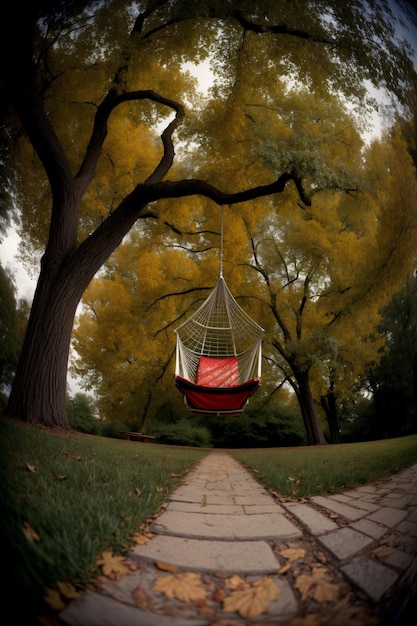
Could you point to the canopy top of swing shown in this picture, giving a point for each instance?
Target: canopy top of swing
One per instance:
(220, 327)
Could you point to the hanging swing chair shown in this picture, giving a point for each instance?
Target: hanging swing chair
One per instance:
(219, 353)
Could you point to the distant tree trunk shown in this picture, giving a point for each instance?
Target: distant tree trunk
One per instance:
(328, 404)
(309, 414)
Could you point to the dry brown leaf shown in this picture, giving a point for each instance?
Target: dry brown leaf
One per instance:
(317, 586)
(186, 587)
(67, 590)
(31, 468)
(292, 554)
(54, 600)
(235, 582)
(112, 566)
(284, 569)
(61, 477)
(141, 538)
(254, 600)
(142, 598)
(29, 533)
(166, 567)
(138, 491)
(382, 551)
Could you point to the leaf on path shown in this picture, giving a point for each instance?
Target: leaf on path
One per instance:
(382, 551)
(253, 600)
(166, 567)
(292, 554)
(236, 582)
(284, 569)
(67, 590)
(142, 598)
(112, 566)
(317, 586)
(54, 600)
(30, 534)
(185, 586)
(141, 539)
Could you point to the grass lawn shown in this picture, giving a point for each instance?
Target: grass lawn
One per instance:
(66, 497)
(309, 471)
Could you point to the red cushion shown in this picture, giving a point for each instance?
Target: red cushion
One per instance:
(218, 372)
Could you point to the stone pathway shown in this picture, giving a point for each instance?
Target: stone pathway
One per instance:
(221, 522)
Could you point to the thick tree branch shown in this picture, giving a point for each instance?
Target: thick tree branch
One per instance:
(194, 187)
(87, 170)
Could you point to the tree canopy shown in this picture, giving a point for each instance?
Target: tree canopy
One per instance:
(108, 127)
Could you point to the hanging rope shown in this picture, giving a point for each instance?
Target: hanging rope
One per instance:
(221, 240)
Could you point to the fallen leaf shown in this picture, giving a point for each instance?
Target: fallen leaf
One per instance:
(54, 600)
(317, 586)
(254, 600)
(138, 491)
(382, 551)
(142, 598)
(112, 566)
(186, 587)
(166, 567)
(236, 582)
(29, 533)
(141, 539)
(292, 554)
(284, 569)
(61, 477)
(67, 590)
(31, 468)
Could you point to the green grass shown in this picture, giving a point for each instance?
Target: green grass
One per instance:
(83, 494)
(309, 471)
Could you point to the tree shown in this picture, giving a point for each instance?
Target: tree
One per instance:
(393, 381)
(13, 318)
(74, 73)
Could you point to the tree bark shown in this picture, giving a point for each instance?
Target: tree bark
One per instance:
(309, 414)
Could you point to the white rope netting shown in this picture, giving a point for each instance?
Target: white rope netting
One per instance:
(220, 328)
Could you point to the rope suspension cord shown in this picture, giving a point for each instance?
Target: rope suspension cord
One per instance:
(221, 240)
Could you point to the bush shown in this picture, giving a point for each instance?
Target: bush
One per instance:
(112, 429)
(182, 433)
(81, 417)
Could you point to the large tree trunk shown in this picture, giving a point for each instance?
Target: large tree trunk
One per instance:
(39, 389)
(314, 431)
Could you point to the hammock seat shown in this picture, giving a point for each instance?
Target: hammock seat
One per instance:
(218, 356)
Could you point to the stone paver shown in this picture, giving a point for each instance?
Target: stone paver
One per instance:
(349, 512)
(370, 576)
(316, 523)
(241, 557)
(345, 542)
(221, 522)
(228, 527)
